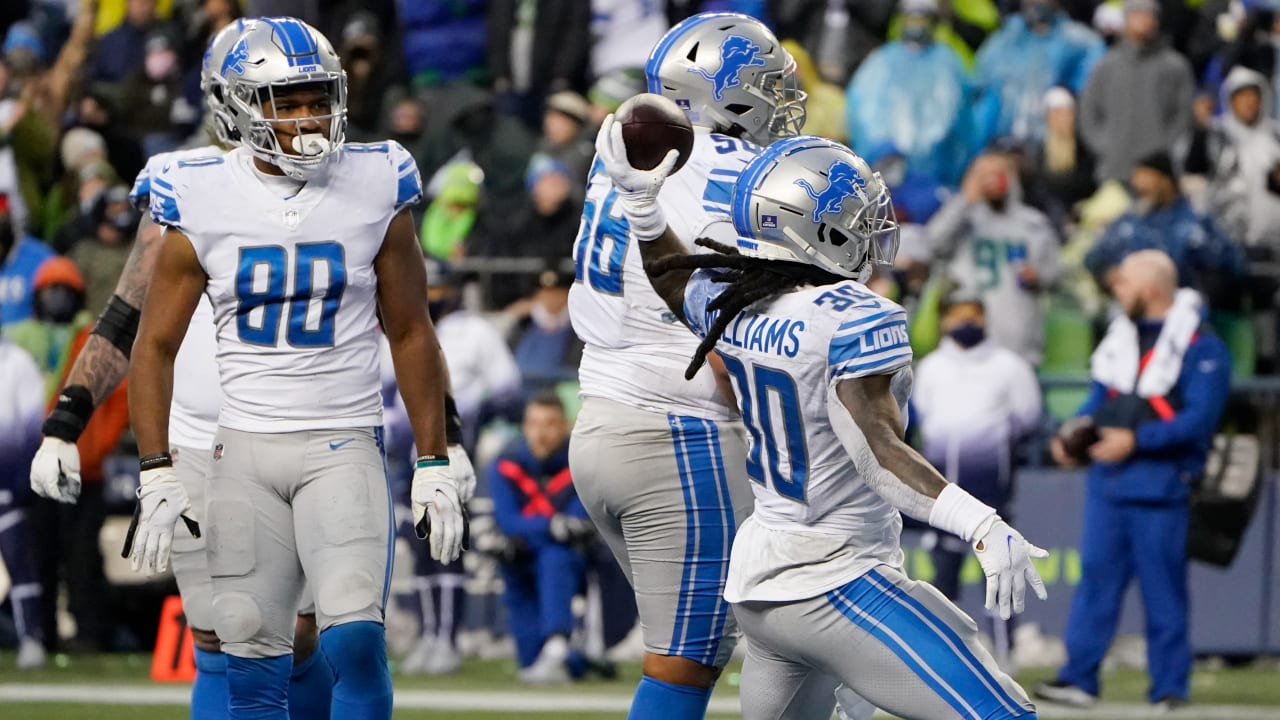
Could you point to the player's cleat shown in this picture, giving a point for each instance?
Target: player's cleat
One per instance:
(415, 663)
(31, 654)
(549, 668)
(1062, 692)
(443, 660)
(1168, 705)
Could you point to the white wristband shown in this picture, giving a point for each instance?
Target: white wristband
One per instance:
(959, 513)
(648, 223)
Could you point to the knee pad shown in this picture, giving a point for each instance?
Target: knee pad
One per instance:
(348, 592)
(236, 617)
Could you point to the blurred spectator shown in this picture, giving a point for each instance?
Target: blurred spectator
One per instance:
(122, 52)
(20, 258)
(58, 313)
(111, 13)
(1035, 50)
(156, 111)
(913, 93)
(623, 32)
(546, 348)
(444, 40)
(21, 412)
(548, 221)
(85, 176)
(1240, 154)
(974, 400)
(963, 25)
(452, 212)
(565, 137)
(481, 369)
(917, 195)
(97, 112)
(546, 527)
(537, 47)
(104, 250)
(369, 76)
(406, 124)
(1001, 250)
(1159, 384)
(1058, 171)
(1161, 218)
(840, 33)
(824, 108)
(610, 91)
(1138, 100)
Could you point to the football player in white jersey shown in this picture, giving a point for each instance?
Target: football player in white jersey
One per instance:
(821, 368)
(100, 368)
(301, 242)
(657, 458)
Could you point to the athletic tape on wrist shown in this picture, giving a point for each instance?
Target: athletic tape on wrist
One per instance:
(70, 415)
(959, 513)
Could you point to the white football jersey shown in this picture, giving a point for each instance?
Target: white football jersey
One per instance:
(636, 349)
(197, 396)
(816, 525)
(291, 280)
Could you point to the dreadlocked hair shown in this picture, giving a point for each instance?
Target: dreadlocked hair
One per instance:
(749, 280)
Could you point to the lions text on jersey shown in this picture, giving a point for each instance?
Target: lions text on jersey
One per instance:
(816, 526)
(291, 280)
(636, 349)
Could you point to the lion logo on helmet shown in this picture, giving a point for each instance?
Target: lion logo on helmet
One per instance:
(843, 182)
(737, 53)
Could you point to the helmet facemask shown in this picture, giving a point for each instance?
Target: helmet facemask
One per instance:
(788, 102)
(255, 107)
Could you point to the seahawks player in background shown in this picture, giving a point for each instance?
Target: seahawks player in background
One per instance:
(821, 368)
(657, 461)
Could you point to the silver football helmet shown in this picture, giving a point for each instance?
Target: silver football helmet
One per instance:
(727, 71)
(274, 54)
(214, 86)
(808, 199)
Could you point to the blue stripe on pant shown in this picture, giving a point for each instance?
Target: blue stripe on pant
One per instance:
(926, 645)
(379, 437)
(701, 611)
(1119, 541)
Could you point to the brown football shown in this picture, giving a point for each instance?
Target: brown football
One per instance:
(1077, 435)
(652, 126)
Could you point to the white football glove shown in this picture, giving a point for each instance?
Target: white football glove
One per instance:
(438, 515)
(55, 470)
(464, 474)
(637, 189)
(1005, 557)
(162, 501)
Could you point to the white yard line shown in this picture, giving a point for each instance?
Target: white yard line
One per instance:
(548, 702)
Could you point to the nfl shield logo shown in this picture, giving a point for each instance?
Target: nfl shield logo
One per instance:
(769, 221)
(291, 219)
(217, 451)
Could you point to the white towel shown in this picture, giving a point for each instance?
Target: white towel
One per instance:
(1115, 362)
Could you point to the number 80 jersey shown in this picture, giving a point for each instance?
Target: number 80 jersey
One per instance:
(291, 280)
(636, 349)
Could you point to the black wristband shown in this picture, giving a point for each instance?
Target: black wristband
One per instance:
(155, 462)
(70, 415)
(118, 324)
(452, 421)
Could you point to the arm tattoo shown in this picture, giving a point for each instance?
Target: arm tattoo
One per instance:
(101, 367)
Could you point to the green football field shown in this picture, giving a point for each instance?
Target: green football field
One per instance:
(117, 687)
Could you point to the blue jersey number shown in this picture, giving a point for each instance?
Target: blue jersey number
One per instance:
(601, 247)
(761, 391)
(262, 277)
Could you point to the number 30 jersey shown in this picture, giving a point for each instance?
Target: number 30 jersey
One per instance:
(291, 280)
(816, 524)
(636, 349)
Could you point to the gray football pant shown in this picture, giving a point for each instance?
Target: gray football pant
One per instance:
(287, 504)
(187, 558)
(896, 642)
(667, 493)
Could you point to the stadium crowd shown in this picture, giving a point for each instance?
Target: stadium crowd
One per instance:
(1030, 146)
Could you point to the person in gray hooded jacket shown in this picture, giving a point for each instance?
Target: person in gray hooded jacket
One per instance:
(1138, 100)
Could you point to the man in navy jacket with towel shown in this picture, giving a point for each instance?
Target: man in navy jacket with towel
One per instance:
(1160, 381)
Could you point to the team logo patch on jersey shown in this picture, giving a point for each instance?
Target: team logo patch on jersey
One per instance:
(217, 451)
(843, 182)
(291, 219)
(769, 221)
(737, 53)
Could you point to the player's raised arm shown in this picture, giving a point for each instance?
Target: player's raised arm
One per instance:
(867, 419)
(98, 370)
(176, 285)
(421, 376)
